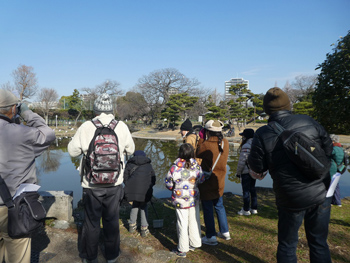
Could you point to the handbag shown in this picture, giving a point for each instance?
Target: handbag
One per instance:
(25, 212)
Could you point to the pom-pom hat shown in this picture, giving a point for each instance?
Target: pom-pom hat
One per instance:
(103, 104)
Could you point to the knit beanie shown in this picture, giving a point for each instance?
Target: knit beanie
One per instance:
(215, 126)
(276, 99)
(186, 125)
(103, 104)
(7, 98)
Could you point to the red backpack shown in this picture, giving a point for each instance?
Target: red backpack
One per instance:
(102, 161)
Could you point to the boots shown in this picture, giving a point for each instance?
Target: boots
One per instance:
(144, 231)
(132, 227)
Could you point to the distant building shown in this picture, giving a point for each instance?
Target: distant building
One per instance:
(233, 82)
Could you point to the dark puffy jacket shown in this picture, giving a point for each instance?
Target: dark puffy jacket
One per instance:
(139, 181)
(293, 191)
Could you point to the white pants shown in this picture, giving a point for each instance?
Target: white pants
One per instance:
(188, 228)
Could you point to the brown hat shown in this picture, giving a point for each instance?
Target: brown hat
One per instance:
(276, 99)
(215, 126)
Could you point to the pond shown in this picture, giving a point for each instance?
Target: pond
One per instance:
(57, 171)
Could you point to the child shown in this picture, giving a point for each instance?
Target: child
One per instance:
(183, 179)
(139, 178)
(248, 183)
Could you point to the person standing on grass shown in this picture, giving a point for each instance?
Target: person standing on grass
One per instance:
(250, 200)
(298, 198)
(139, 179)
(213, 147)
(337, 160)
(188, 135)
(101, 200)
(183, 179)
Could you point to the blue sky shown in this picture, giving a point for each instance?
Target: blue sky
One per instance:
(81, 43)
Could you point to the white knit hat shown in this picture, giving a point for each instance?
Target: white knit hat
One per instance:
(215, 126)
(103, 104)
(7, 98)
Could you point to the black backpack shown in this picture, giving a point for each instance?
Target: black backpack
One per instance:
(305, 153)
(102, 160)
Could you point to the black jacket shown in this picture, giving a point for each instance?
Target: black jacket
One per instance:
(139, 181)
(293, 191)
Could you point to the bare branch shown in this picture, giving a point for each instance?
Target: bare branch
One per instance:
(25, 81)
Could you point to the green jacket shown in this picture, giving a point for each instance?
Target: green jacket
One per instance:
(337, 159)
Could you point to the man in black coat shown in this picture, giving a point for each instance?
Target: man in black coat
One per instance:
(297, 197)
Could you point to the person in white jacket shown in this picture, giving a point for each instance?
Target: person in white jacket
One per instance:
(101, 200)
(250, 202)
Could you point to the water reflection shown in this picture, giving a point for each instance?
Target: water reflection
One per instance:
(57, 171)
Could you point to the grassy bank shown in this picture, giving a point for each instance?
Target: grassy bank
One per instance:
(254, 238)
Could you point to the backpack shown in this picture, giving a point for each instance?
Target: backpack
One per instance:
(305, 153)
(102, 160)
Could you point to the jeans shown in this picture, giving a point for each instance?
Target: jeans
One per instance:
(208, 213)
(101, 203)
(249, 192)
(336, 197)
(316, 220)
(136, 206)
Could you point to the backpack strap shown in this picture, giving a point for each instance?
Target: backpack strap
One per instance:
(276, 127)
(113, 124)
(97, 123)
(5, 194)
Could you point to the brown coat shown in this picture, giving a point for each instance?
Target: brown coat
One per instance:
(191, 139)
(208, 151)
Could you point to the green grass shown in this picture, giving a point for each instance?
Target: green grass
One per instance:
(254, 238)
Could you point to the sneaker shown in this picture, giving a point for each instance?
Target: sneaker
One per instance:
(253, 211)
(244, 213)
(132, 227)
(210, 241)
(179, 253)
(193, 248)
(144, 231)
(225, 236)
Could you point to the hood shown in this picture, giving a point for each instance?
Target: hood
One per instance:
(139, 160)
(180, 163)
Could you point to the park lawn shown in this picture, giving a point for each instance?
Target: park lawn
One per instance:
(253, 238)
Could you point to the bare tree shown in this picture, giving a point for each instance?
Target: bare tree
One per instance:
(131, 106)
(292, 93)
(8, 87)
(25, 81)
(47, 100)
(306, 86)
(160, 84)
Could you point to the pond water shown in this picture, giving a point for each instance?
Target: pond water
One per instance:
(57, 171)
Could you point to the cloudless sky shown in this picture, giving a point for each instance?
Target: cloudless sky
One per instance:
(81, 43)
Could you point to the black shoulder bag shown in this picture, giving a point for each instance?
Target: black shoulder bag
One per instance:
(25, 212)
